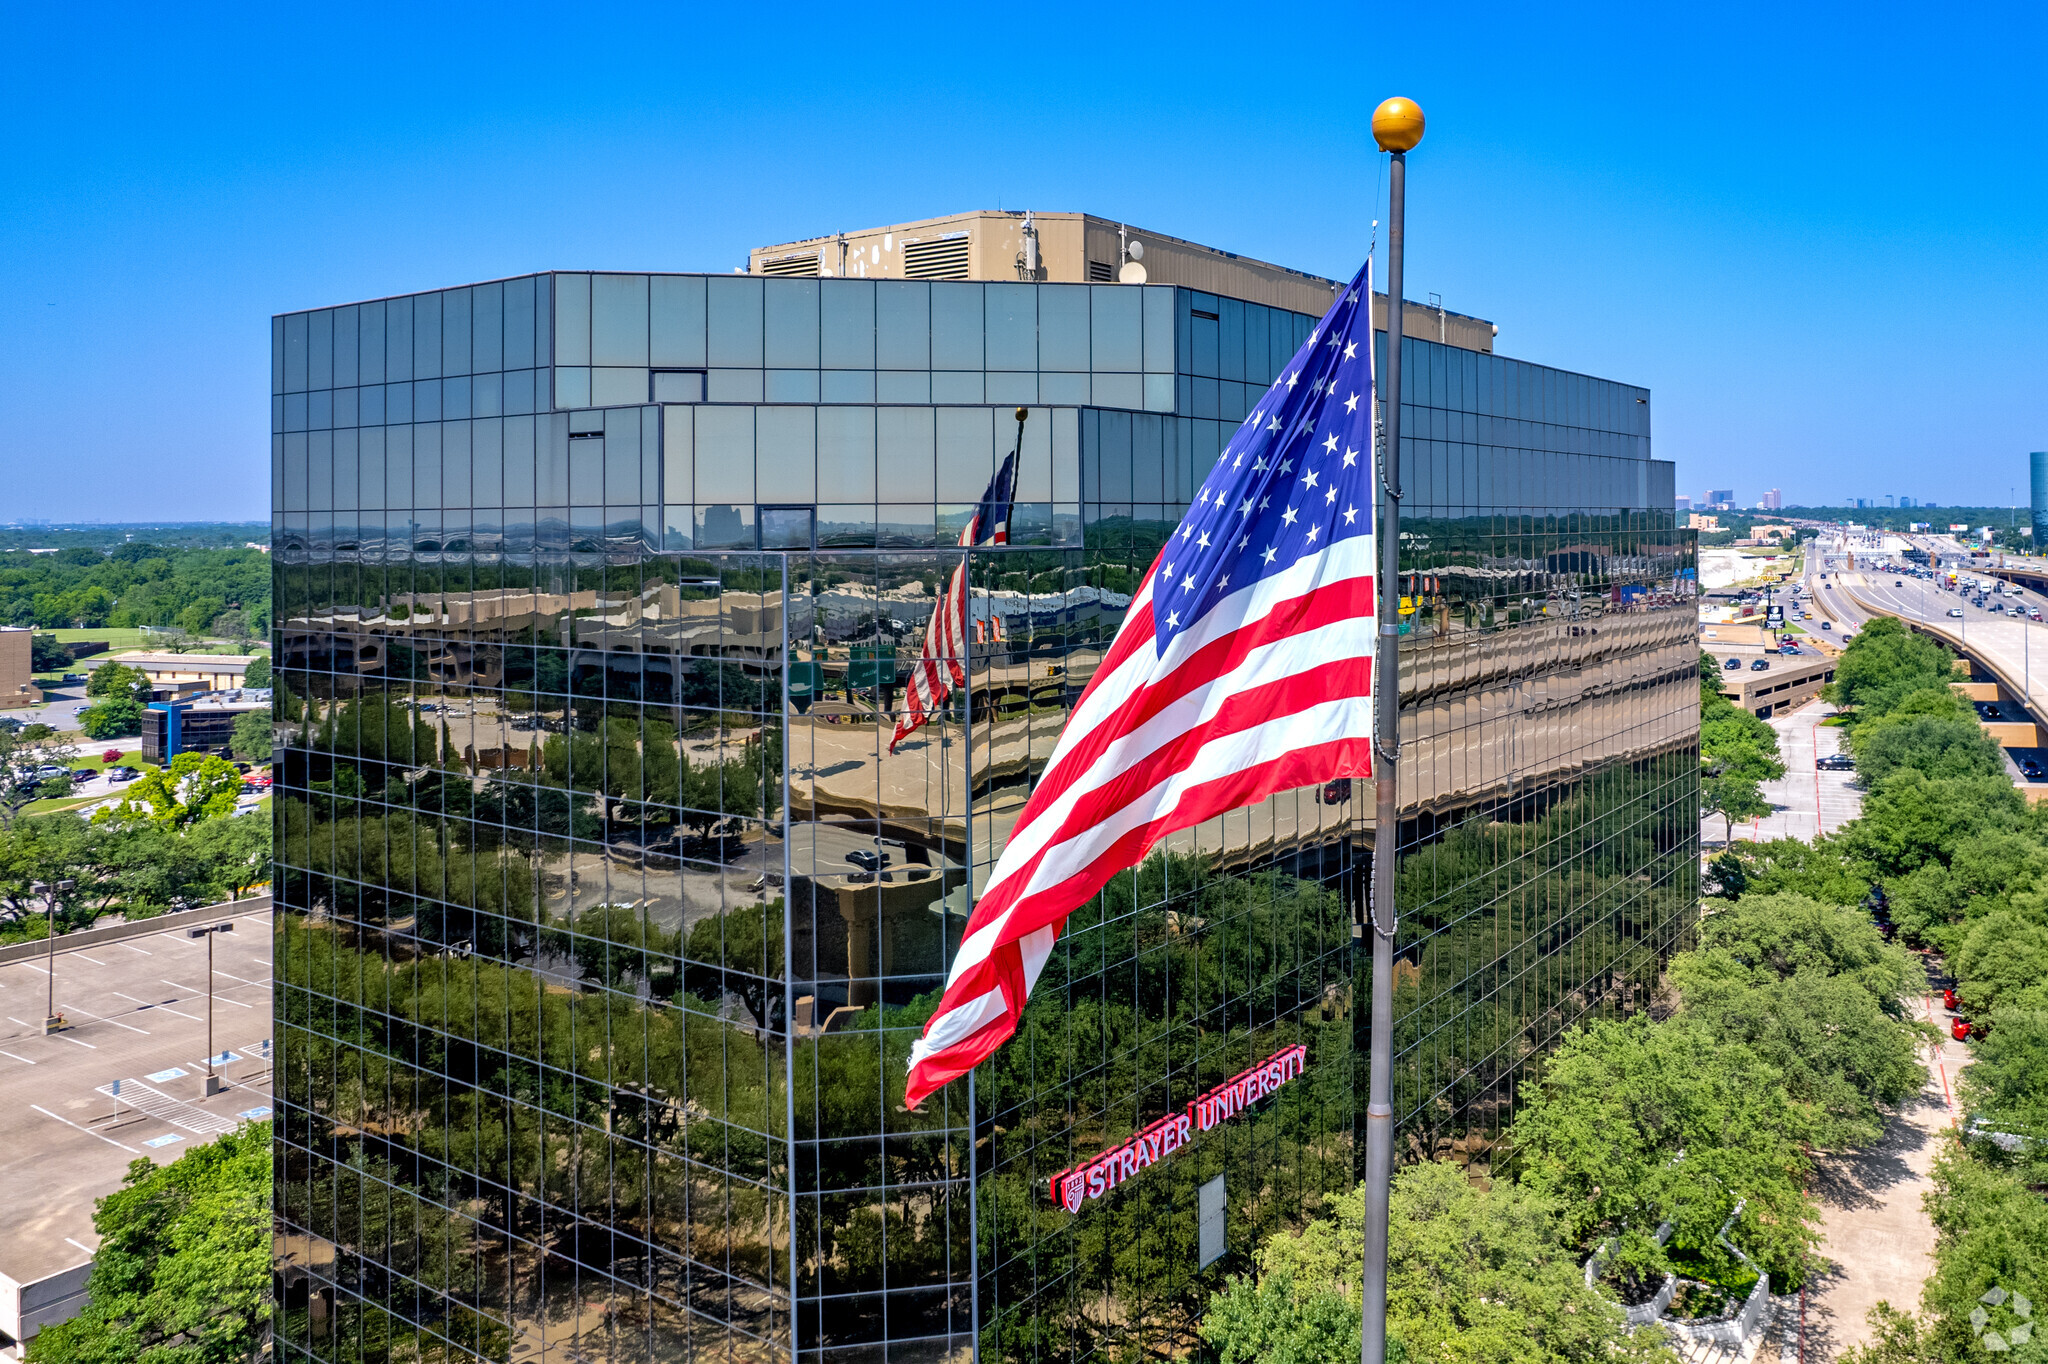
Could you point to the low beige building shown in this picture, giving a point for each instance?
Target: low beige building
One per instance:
(17, 670)
(187, 672)
(1079, 248)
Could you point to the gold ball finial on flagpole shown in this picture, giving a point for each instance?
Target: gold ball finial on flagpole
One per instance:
(1397, 124)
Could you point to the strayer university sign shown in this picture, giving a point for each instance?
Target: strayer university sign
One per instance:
(1073, 1187)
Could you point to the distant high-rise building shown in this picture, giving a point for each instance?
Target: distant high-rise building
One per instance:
(1774, 500)
(2037, 470)
(1723, 498)
(1907, 502)
(1681, 503)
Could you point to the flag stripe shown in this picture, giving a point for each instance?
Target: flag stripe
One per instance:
(1208, 699)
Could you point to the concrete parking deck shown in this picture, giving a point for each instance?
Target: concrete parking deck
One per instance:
(138, 1013)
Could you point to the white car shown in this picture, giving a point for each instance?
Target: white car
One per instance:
(1956, 611)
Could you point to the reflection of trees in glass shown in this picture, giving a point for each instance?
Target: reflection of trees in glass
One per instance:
(1515, 926)
(1176, 977)
(562, 1090)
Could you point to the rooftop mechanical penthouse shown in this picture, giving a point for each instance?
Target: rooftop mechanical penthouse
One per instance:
(606, 916)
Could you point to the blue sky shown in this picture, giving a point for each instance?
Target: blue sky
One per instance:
(1819, 234)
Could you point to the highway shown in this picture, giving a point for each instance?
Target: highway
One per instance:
(1999, 642)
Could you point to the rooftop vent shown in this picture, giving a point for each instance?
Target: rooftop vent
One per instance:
(1101, 271)
(803, 263)
(945, 258)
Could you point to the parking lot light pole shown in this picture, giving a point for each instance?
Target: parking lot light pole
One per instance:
(50, 890)
(213, 1081)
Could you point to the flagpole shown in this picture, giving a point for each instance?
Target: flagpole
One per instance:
(1397, 128)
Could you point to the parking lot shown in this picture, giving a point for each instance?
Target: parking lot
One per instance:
(125, 1080)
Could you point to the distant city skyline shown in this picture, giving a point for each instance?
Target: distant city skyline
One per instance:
(219, 168)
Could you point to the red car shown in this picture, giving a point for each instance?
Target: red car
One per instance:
(1960, 1029)
(259, 780)
(1948, 999)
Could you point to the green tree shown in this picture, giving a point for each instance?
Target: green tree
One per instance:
(1633, 1123)
(2005, 1089)
(193, 788)
(113, 718)
(2003, 959)
(118, 679)
(1885, 663)
(25, 755)
(252, 736)
(1472, 1274)
(1777, 937)
(1732, 796)
(258, 673)
(182, 1273)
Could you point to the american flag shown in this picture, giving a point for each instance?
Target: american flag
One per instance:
(1244, 667)
(940, 665)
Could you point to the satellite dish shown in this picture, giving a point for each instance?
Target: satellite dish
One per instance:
(1136, 251)
(1132, 273)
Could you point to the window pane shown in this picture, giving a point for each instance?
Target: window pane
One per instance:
(426, 336)
(956, 326)
(618, 320)
(345, 324)
(678, 445)
(1013, 327)
(397, 340)
(572, 319)
(676, 322)
(965, 466)
(1063, 327)
(519, 323)
(1159, 330)
(622, 456)
(1117, 317)
(455, 331)
(734, 332)
(785, 442)
(846, 324)
(791, 309)
(725, 454)
(679, 386)
(846, 454)
(903, 331)
(907, 449)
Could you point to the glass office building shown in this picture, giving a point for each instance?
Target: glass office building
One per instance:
(607, 914)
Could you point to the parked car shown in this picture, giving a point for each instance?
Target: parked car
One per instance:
(2032, 769)
(1732, 665)
(1836, 762)
(122, 774)
(1761, 665)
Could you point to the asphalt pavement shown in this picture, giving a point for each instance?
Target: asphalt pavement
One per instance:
(137, 1010)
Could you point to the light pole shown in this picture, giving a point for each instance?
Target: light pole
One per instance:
(1397, 128)
(213, 1084)
(50, 890)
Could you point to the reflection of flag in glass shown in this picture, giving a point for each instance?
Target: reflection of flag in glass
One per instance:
(939, 667)
(1244, 667)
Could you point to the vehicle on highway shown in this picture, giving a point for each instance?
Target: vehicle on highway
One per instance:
(2032, 769)
(1761, 665)
(1788, 647)
(1956, 611)
(2033, 613)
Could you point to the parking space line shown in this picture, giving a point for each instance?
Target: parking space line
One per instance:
(87, 1130)
(97, 1019)
(82, 957)
(196, 991)
(75, 1042)
(23, 1059)
(133, 948)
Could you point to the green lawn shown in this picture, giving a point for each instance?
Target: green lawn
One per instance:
(125, 640)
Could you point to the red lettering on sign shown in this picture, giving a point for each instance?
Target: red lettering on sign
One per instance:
(1073, 1187)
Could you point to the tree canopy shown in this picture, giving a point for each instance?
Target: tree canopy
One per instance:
(182, 1273)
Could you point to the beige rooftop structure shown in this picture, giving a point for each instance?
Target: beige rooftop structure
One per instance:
(1079, 248)
(218, 671)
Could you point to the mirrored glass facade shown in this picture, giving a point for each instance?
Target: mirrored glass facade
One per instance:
(607, 915)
